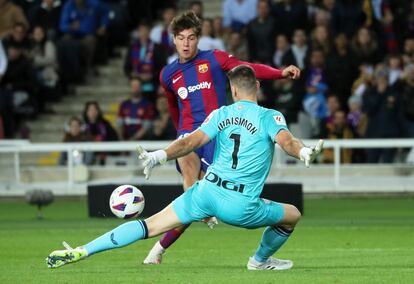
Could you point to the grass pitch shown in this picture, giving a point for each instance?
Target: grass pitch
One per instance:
(337, 241)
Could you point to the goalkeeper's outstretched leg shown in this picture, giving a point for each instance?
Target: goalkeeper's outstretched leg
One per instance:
(121, 236)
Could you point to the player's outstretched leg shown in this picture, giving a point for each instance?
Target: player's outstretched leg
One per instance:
(155, 254)
(189, 167)
(273, 238)
(121, 236)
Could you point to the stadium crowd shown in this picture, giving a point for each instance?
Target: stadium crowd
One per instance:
(356, 56)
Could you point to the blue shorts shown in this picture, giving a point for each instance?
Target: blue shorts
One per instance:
(205, 153)
(205, 199)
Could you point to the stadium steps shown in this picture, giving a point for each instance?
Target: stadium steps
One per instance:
(212, 8)
(108, 89)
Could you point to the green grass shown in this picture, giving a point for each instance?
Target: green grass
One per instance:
(337, 241)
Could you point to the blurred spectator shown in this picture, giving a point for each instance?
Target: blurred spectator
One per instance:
(19, 80)
(43, 55)
(28, 7)
(314, 102)
(287, 98)
(385, 17)
(47, 15)
(98, 127)
(347, 17)
(365, 47)
(341, 69)
(237, 46)
(207, 40)
(339, 130)
(333, 105)
(290, 15)
(161, 34)
(163, 126)
(238, 13)
(259, 31)
(408, 55)
(298, 53)
(74, 132)
(18, 36)
(382, 105)
(218, 30)
(145, 59)
(10, 15)
(407, 95)
(136, 115)
(197, 8)
(364, 80)
(395, 68)
(81, 21)
(322, 18)
(356, 118)
(320, 39)
(6, 102)
(282, 47)
(96, 124)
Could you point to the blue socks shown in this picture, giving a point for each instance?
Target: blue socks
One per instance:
(122, 235)
(273, 238)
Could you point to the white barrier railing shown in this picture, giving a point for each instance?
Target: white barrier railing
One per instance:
(23, 147)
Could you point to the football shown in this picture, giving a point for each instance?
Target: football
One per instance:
(126, 201)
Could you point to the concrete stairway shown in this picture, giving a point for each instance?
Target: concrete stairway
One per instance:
(212, 8)
(108, 89)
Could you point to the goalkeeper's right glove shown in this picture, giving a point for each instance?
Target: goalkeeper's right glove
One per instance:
(151, 159)
(307, 154)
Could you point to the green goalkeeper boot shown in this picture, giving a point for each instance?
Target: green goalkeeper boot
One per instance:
(59, 258)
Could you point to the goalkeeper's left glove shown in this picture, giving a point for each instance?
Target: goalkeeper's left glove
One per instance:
(151, 159)
(307, 154)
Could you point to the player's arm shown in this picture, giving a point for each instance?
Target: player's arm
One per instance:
(176, 149)
(295, 148)
(289, 143)
(180, 147)
(228, 62)
(186, 145)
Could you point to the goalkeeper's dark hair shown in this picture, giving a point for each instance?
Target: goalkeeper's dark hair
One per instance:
(243, 77)
(187, 20)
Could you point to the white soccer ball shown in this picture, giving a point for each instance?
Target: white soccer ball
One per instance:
(126, 201)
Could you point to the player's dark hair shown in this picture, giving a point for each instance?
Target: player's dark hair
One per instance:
(243, 77)
(187, 20)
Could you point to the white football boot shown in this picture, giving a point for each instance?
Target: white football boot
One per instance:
(270, 264)
(155, 254)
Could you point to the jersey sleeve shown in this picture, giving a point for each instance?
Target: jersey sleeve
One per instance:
(172, 101)
(210, 124)
(228, 62)
(274, 122)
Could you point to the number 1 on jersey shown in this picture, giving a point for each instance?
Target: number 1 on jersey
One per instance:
(236, 138)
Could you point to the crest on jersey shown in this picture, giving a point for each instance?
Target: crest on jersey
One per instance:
(279, 120)
(203, 68)
(182, 92)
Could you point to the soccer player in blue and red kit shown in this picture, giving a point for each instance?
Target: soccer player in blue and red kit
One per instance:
(195, 85)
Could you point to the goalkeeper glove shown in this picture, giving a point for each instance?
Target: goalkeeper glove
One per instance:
(307, 154)
(151, 159)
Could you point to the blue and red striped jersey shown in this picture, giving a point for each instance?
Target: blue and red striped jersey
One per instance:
(133, 115)
(195, 88)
